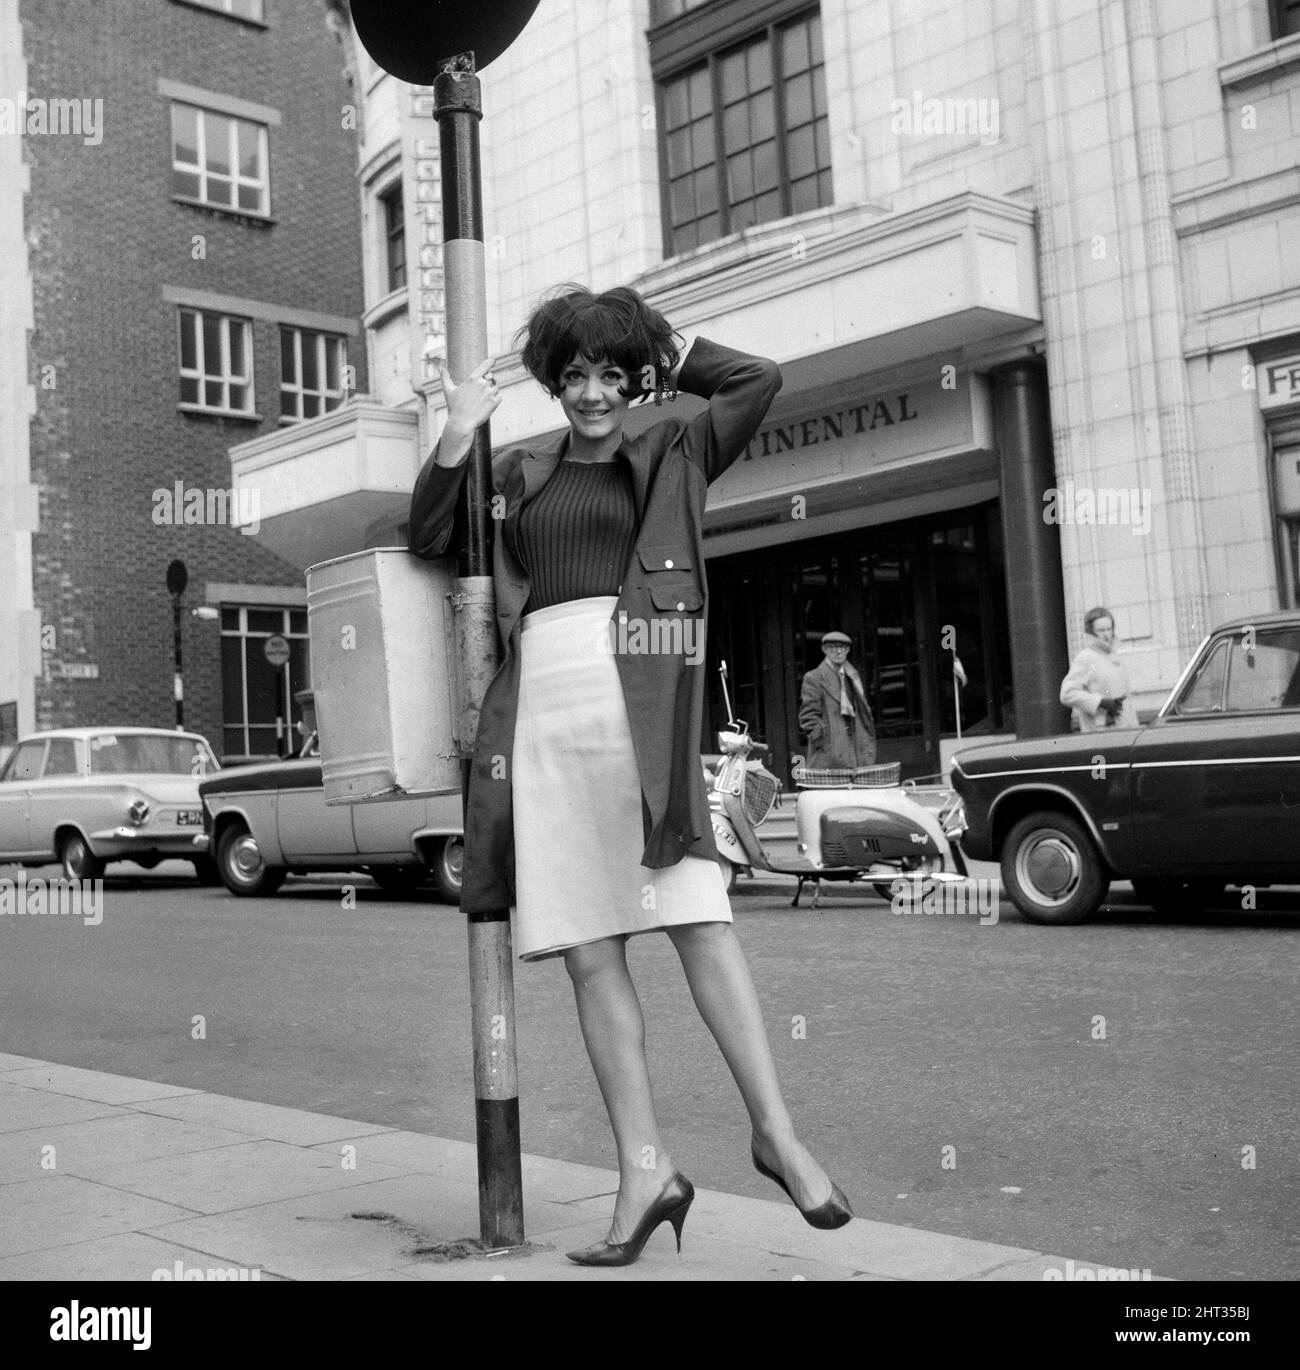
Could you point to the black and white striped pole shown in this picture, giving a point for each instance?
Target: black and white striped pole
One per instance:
(410, 39)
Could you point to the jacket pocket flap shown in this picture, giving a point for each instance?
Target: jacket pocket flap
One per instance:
(665, 558)
(677, 598)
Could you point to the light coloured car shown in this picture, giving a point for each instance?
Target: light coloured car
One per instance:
(87, 796)
(264, 822)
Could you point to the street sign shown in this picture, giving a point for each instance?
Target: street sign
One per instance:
(177, 578)
(411, 39)
(277, 650)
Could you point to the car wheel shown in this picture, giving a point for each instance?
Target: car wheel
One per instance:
(205, 870)
(398, 879)
(449, 869)
(77, 860)
(240, 864)
(1052, 869)
(1178, 896)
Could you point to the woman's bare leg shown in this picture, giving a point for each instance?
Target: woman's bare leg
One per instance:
(614, 1030)
(723, 990)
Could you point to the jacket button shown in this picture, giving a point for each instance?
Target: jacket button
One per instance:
(680, 606)
(668, 563)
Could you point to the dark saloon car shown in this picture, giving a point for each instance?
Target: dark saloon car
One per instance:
(1205, 796)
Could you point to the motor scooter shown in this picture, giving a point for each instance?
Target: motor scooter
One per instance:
(852, 825)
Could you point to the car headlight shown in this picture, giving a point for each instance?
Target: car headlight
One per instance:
(138, 812)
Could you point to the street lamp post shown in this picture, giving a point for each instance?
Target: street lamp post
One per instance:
(177, 579)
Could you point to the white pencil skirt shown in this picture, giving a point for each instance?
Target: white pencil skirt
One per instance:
(577, 799)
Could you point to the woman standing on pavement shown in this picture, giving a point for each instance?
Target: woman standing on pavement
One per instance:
(587, 808)
(1096, 687)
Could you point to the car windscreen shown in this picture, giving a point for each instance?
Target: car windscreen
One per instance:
(127, 753)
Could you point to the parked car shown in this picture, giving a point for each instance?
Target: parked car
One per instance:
(261, 823)
(88, 796)
(1205, 796)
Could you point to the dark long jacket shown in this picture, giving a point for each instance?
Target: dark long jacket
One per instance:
(671, 465)
(830, 743)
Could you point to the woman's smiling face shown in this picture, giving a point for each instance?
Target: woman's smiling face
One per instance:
(592, 399)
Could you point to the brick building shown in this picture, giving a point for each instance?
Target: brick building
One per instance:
(180, 272)
(1028, 267)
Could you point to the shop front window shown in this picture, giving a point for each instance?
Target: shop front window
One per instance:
(258, 682)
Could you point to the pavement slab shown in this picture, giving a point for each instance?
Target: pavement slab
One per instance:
(147, 1175)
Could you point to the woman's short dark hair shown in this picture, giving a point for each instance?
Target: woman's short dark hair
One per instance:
(617, 326)
(1093, 615)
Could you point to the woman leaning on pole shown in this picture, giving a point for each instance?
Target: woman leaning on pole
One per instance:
(587, 809)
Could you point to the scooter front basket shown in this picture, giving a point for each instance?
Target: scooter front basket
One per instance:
(761, 790)
(844, 778)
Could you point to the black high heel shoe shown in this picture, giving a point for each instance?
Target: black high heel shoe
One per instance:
(669, 1206)
(835, 1212)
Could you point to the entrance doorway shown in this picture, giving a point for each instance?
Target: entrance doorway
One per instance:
(906, 593)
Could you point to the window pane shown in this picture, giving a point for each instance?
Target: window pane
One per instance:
(220, 191)
(310, 406)
(798, 101)
(768, 206)
(229, 618)
(289, 404)
(676, 103)
(760, 66)
(684, 238)
(700, 96)
(731, 76)
(212, 344)
(794, 47)
(823, 143)
(311, 361)
(189, 390)
(217, 130)
(214, 394)
(62, 757)
(702, 152)
(334, 363)
(742, 216)
(801, 151)
(815, 37)
(249, 141)
(735, 126)
(250, 198)
(678, 147)
(709, 227)
(265, 621)
(185, 134)
(186, 183)
(803, 194)
(238, 364)
(765, 167)
(740, 179)
(682, 200)
(239, 398)
(706, 192)
(288, 369)
(189, 334)
(762, 117)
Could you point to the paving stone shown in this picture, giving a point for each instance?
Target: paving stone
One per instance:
(127, 1256)
(291, 1125)
(39, 1214)
(92, 1084)
(21, 1109)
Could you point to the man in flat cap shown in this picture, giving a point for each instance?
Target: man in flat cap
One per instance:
(833, 710)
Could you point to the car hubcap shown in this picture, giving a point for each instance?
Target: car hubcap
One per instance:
(245, 857)
(74, 860)
(455, 859)
(1049, 867)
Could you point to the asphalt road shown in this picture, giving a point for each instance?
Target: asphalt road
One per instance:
(951, 1075)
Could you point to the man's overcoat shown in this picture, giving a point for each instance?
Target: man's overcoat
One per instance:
(671, 465)
(830, 744)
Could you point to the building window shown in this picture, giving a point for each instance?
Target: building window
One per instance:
(311, 373)
(216, 362)
(241, 9)
(394, 238)
(1286, 477)
(257, 684)
(220, 160)
(745, 136)
(1286, 18)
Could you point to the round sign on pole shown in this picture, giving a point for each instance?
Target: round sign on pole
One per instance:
(177, 578)
(277, 650)
(410, 39)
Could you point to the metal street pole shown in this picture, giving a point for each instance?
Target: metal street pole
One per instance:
(458, 108)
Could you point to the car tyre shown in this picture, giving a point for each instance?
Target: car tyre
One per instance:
(398, 879)
(1052, 869)
(77, 859)
(1178, 896)
(205, 871)
(240, 864)
(449, 869)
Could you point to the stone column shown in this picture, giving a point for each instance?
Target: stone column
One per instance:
(1035, 592)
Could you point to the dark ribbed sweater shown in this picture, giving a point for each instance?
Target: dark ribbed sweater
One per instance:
(575, 538)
